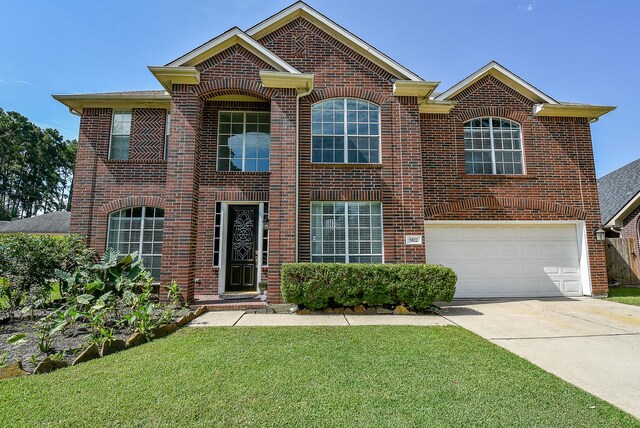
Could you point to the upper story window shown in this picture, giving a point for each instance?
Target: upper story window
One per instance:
(120, 134)
(243, 141)
(138, 230)
(493, 146)
(167, 126)
(345, 130)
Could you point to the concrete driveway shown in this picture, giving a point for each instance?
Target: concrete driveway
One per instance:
(593, 344)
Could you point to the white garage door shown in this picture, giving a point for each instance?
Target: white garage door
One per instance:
(508, 260)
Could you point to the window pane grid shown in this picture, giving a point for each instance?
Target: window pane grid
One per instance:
(138, 230)
(346, 232)
(493, 146)
(350, 120)
(120, 135)
(243, 141)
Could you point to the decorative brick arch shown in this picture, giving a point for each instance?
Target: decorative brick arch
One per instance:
(496, 202)
(133, 201)
(506, 113)
(234, 86)
(346, 92)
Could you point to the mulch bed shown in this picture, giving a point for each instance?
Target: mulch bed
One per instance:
(71, 341)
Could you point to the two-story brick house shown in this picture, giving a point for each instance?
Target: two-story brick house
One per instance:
(297, 141)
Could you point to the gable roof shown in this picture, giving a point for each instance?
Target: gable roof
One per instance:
(544, 104)
(234, 36)
(301, 9)
(505, 76)
(619, 193)
(51, 223)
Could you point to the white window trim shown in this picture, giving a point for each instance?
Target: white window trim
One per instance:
(224, 231)
(493, 149)
(346, 230)
(244, 138)
(141, 240)
(346, 136)
(111, 133)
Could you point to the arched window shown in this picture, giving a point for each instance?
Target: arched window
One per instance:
(345, 130)
(493, 146)
(138, 229)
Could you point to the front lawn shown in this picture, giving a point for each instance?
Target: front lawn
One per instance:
(304, 377)
(628, 295)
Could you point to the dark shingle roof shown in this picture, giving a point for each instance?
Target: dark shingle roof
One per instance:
(56, 222)
(617, 188)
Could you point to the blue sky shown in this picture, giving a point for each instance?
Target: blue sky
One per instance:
(574, 50)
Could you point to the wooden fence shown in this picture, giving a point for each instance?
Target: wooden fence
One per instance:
(622, 261)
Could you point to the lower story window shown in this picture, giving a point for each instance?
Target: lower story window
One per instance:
(138, 230)
(346, 232)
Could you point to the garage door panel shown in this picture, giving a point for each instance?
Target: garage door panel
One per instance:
(500, 260)
(572, 286)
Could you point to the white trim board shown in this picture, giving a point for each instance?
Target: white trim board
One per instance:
(617, 219)
(224, 227)
(226, 40)
(502, 74)
(301, 9)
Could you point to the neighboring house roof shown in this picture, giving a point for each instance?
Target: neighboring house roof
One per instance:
(51, 223)
(619, 193)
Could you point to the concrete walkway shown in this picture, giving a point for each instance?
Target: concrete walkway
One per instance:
(593, 344)
(239, 318)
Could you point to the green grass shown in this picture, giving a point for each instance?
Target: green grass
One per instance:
(306, 377)
(628, 295)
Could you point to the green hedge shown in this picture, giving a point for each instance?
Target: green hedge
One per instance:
(29, 262)
(320, 285)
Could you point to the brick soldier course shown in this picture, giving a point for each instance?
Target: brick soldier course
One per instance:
(421, 176)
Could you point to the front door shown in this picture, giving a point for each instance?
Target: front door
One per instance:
(242, 248)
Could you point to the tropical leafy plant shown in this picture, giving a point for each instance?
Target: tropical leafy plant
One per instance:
(174, 294)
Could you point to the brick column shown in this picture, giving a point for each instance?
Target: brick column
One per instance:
(183, 174)
(95, 127)
(282, 187)
(408, 214)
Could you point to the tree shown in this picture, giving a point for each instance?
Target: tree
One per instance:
(36, 168)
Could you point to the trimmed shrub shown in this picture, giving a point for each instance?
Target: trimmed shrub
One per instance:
(319, 285)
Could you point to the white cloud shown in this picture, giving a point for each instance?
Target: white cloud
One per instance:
(528, 8)
(23, 82)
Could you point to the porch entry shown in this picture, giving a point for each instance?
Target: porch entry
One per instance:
(242, 248)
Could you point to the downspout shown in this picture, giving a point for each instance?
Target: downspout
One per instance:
(299, 95)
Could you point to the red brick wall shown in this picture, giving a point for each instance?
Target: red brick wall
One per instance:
(422, 175)
(147, 133)
(559, 183)
(102, 185)
(341, 72)
(221, 186)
